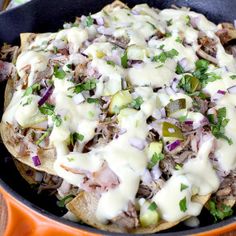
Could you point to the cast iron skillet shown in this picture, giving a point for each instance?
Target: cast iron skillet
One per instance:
(43, 16)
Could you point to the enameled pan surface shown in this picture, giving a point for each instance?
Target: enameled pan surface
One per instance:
(43, 16)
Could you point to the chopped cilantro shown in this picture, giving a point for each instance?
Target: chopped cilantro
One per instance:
(218, 126)
(47, 109)
(219, 213)
(155, 158)
(187, 20)
(183, 187)
(233, 76)
(55, 49)
(169, 22)
(124, 60)
(152, 206)
(28, 101)
(33, 88)
(86, 86)
(165, 55)
(112, 63)
(59, 72)
(168, 34)
(178, 40)
(152, 25)
(76, 137)
(65, 200)
(48, 131)
(179, 69)
(183, 204)
(92, 100)
(89, 21)
(137, 102)
(57, 120)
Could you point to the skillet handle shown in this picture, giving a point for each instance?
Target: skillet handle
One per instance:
(24, 221)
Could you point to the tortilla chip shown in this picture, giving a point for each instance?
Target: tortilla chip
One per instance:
(84, 206)
(26, 172)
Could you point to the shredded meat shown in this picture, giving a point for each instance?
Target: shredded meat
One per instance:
(208, 45)
(99, 181)
(6, 70)
(226, 33)
(227, 189)
(127, 220)
(121, 42)
(204, 55)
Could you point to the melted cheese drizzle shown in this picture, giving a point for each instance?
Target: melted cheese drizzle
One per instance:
(127, 162)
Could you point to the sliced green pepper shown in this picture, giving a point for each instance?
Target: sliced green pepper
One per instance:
(171, 132)
(175, 106)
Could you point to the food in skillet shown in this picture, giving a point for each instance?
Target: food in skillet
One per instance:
(131, 112)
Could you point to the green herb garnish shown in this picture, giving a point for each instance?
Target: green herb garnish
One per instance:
(137, 102)
(57, 120)
(183, 204)
(219, 213)
(59, 72)
(76, 137)
(124, 60)
(152, 25)
(179, 69)
(47, 109)
(183, 187)
(89, 21)
(233, 76)
(86, 86)
(169, 22)
(152, 206)
(112, 63)
(165, 55)
(65, 200)
(30, 90)
(218, 126)
(92, 100)
(46, 134)
(155, 158)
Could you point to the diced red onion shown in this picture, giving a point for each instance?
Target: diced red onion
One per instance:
(36, 161)
(221, 92)
(173, 145)
(122, 131)
(100, 21)
(234, 23)
(134, 12)
(194, 21)
(170, 91)
(64, 188)
(78, 98)
(146, 177)
(174, 85)
(156, 114)
(217, 96)
(156, 172)
(46, 95)
(104, 30)
(163, 112)
(184, 63)
(38, 176)
(232, 89)
(137, 143)
(188, 122)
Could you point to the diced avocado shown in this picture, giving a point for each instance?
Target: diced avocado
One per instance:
(148, 216)
(154, 147)
(135, 52)
(119, 100)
